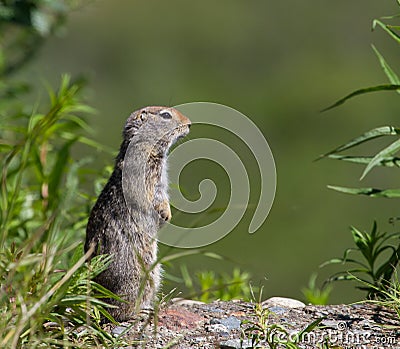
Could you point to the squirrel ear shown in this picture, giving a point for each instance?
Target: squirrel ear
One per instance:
(143, 116)
(134, 122)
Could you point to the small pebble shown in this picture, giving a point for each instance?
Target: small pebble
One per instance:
(277, 310)
(118, 330)
(51, 325)
(183, 301)
(235, 344)
(219, 328)
(200, 339)
(231, 323)
(283, 302)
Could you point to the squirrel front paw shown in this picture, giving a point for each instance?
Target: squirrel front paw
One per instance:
(164, 210)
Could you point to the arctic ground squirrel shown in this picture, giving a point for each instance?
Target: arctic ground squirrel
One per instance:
(133, 206)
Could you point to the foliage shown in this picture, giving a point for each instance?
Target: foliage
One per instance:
(376, 269)
(37, 168)
(380, 252)
(24, 26)
(385, 157)
(207, 286)
(314, 294)
(47, 295)
(392, 76)
(392, 296)
(261, 330)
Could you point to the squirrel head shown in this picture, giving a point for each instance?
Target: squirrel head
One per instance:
(160, 126)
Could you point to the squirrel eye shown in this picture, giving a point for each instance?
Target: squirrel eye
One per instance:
(166, 114)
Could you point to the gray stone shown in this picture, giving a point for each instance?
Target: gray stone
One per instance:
(218, 328)
(200, 339)
(118, 330)
(183, 301)
(230, 323)
(235, 344)
(283, 302)
(335, 324)
(277, 310)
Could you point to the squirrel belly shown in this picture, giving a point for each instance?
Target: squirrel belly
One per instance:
(132, 208)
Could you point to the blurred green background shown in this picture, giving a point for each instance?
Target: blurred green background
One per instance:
(279, 63)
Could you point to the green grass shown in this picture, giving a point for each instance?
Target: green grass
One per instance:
(375, 268)
(374, 260)
(262, 330)
(207, 286)
(315, 295)
(46, 288)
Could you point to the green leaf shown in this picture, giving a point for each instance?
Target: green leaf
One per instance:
(59, 169)
(369, 135)
(310, 327)
(78, 253)
(358, 237)
(41, 22)
(173, 256)
(390, 266)
(381, 156)
(213, 255)
(372, 192)
(343, 277)
(343, 261)
(361, 92)
(387, 29)
(393, 78)
(392, 161)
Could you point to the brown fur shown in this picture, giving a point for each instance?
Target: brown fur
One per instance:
(133, 206)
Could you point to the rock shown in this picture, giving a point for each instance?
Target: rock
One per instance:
(118, 330)
(231, 322)
(226, 325)
(179, 319)
(335, 324)
(236, 344)
(183, 301)
(283, 302)
(278, 310)
(200, 339)
(51, 325)
(219, 328)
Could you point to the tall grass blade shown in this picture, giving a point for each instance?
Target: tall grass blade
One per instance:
(393, 78)
(391, 161)
(367, 136)
(383, 155)
(372, 192)
(387, 29)
(362, 91)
